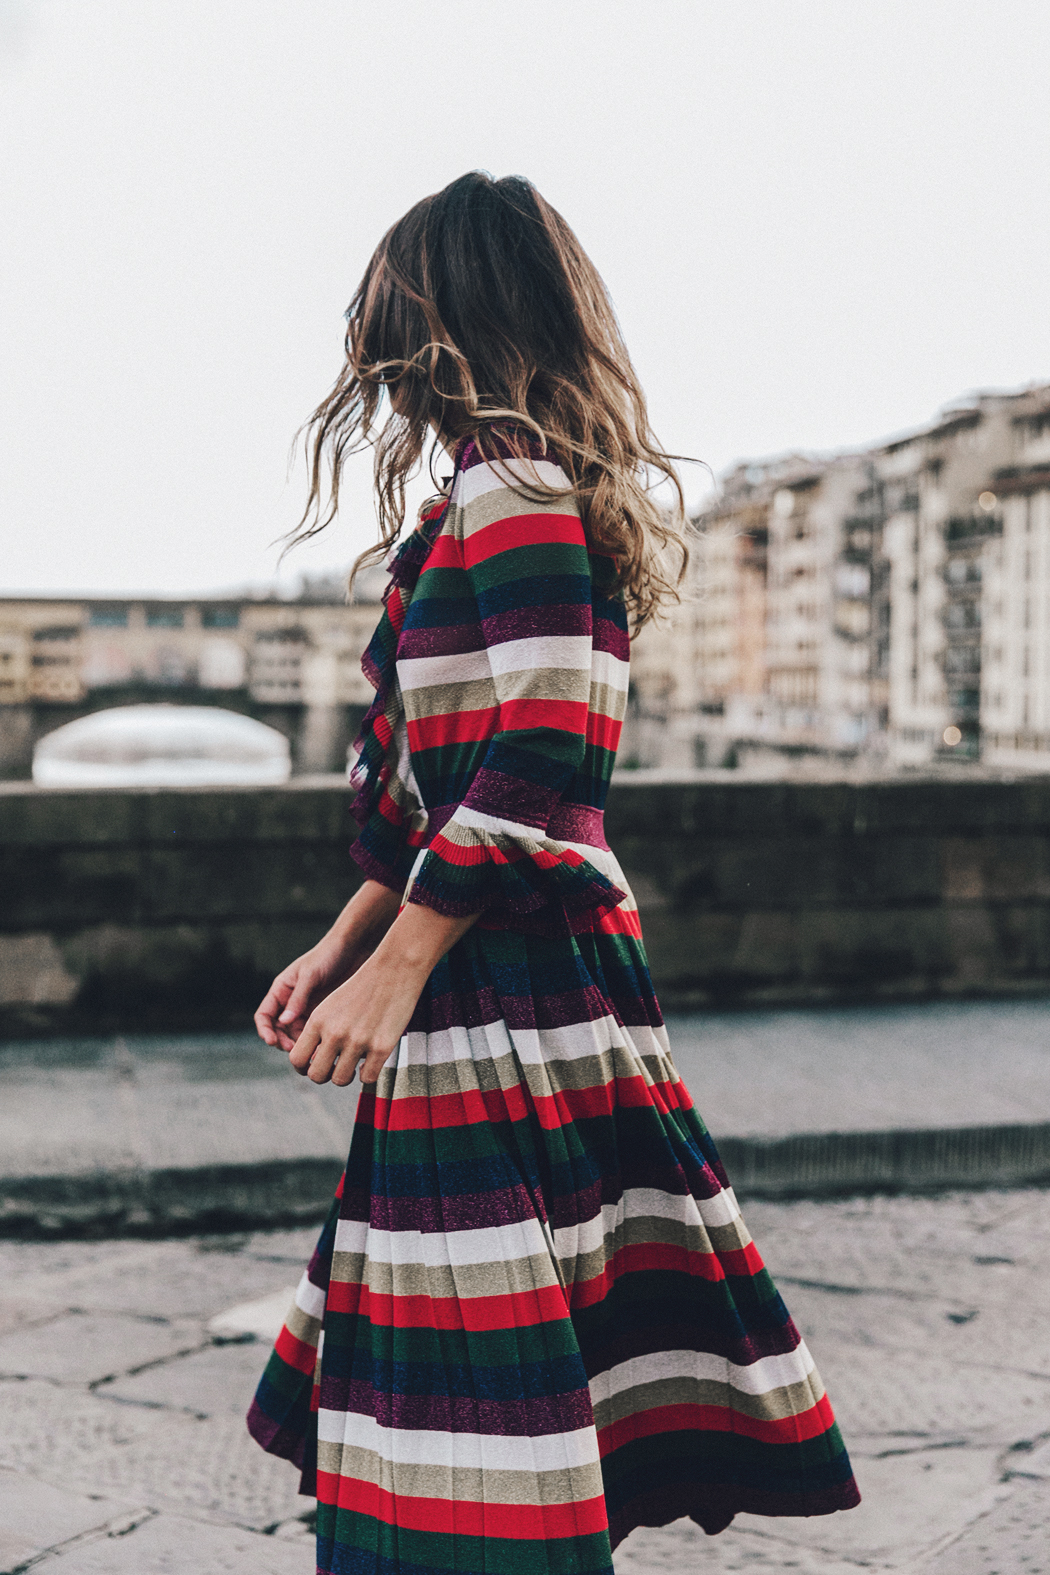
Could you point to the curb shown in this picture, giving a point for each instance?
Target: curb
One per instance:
(930, 1159)
(299, 1191)
(169, 1202)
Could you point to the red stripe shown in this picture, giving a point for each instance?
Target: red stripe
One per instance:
(521, 530)
(513, 716)
(603, 731)
(620, 921)
(475, 1314)
(646, 1257)
(475, 1106)
(469, 855)
(460, 1517)
(716, 1419)
(743, 1260)
(563, 716)
(389, 810)
(295, 1352)
(458, 727)
(446, 553)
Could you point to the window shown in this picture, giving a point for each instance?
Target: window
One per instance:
(220, 617)
(58, 631)
(108, 618)
(164, 617)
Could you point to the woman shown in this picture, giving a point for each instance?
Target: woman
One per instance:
(534, 1319)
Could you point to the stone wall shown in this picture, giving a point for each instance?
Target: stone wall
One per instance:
(170, 909)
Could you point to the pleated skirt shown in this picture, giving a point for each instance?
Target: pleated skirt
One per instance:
(535, 1318)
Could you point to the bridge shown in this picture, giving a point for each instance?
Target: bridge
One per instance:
(294, 665)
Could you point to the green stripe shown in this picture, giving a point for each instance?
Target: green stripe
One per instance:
(433, 1550)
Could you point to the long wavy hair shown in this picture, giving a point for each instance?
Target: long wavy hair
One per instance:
(481, 315)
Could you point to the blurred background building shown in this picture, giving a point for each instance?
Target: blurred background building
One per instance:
(292, 664)
(887, 608)
(880, 610)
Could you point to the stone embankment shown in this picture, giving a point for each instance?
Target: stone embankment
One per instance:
(173, 909)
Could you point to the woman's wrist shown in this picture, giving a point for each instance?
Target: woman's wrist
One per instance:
(418, 939)
(367, 916)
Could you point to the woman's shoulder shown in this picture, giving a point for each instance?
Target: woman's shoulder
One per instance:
(495, 482)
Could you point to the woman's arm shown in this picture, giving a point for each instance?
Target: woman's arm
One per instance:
(361, 1022)
(295, 992)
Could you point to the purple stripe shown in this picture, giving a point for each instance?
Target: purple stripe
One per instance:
(567, 823)
(523, 1418)
(510, 798)
(375, 869)
(455, 639)
(609, 636)
(274, 1438)
(578, 823)
(460, 1009)
(453, 1211)
(529, 623)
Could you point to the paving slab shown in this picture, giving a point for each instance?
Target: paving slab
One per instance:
(949, 1429)
(173, 1545)
(683, 1549)
(88, 1347)
(1012, 1538)
(166, 1457)
(221, 1379)
(35, 1516)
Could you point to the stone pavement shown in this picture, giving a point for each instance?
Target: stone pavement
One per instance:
(126, 1366)
(155, 1132)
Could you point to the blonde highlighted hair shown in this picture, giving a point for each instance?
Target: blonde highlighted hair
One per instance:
(482, 316)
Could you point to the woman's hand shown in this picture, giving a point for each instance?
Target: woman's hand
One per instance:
(294, 993)
(361, 1022)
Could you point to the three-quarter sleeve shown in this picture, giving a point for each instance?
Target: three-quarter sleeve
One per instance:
(528, 573)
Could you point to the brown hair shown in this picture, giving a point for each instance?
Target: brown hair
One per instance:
(481, 313)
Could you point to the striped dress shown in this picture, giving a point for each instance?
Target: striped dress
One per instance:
(535, 1318)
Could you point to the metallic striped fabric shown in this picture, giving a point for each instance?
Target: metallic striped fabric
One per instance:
(535, 1318)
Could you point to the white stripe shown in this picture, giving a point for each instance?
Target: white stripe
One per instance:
(310, 1298)
(476, 1451)
(481, 479)
(722, 1209)
(532, 1046)
(610, 670)
(571, 1241)
(542, 651)
(603, 859)
(442, 1249)
(423, 672)
(759, 1378)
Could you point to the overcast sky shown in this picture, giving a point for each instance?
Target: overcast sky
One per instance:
(819, 220)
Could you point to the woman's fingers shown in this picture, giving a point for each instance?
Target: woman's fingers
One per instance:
(305, 1046)
(350, 1058)
(330, 1056)
(288, 1033)
(373, 1063)
(297, 1004)
(272, 1003)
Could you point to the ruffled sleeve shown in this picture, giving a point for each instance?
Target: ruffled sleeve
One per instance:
(528, 572)
(390, 838)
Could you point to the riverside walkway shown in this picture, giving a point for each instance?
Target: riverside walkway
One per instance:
(153, 1133)
(126, 1364)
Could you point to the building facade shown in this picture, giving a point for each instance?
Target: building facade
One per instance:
(890, 607)
(293, 664)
